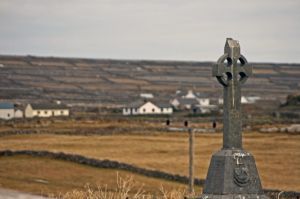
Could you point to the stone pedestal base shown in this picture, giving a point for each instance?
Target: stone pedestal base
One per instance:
(232, 174)
(233, 196)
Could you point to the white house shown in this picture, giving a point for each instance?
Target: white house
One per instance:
(46, 110)
(206, 109)
(18, 113)
(7, 111)
(253, 99)
(190, 95)
(245, 99)
(190, 100)
(204, 101)
(147, 108)
(147, 95)
(184, 103)
(220, 100)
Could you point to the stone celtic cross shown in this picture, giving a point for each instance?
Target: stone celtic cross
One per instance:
(232, 172)
(232, 70)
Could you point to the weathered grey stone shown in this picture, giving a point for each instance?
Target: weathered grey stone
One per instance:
(232, 172)
(234, 196)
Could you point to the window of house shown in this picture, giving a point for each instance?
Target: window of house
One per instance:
(61, 112)
(153, 110)
(144, 110)
(162, 110)
(8, 115)
(45, 112)
(39, 112)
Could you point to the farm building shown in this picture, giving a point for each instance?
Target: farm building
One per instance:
(184, 103)
(147, 95)
(245, 99)
(46, 110)
(18, 113)
(7, 110)
(197, 102)
(189, 100)
(147, 108)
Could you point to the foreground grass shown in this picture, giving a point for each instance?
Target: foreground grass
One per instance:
(123, 190)
(277, 155)
(46, 176)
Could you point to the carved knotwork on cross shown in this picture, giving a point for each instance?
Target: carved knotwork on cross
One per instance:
(232, 70)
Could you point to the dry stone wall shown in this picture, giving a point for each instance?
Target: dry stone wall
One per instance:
(79, 159)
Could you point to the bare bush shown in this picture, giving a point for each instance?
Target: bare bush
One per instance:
(126, 188)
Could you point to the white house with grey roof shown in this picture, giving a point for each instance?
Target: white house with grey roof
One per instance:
(147, 108)
(46, 110)
(184, 103)
(197, 102)
(189, 100)
(7, 110)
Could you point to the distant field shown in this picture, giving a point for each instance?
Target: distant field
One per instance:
(277, 155)
(46, 176)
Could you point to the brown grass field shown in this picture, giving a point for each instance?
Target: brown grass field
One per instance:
(45, 176)
(277, 156)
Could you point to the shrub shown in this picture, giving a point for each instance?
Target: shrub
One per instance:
(123, 190)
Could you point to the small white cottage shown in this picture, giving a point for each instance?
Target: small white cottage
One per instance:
(147, 95)
(46, 110)
(189, 95)
(7, 110)
(18, 113)
(190, 100)
(245, 99)
(147, 108)
(184, 103)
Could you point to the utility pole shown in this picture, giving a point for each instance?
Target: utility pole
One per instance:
(191, 157)
(191, 160)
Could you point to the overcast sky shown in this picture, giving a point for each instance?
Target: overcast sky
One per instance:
(268, 31)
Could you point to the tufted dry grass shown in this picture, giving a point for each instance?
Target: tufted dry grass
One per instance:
(123, 190)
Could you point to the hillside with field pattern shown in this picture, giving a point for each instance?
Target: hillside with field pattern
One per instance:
(113, 83)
